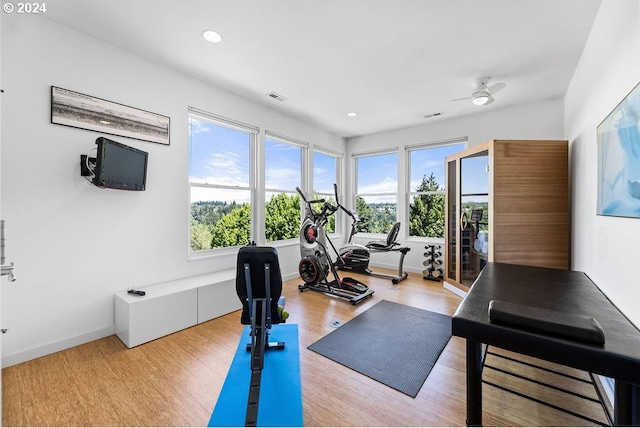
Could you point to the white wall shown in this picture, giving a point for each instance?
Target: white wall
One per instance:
(76, 245)
(606, 248)
(1, 279)
(540, 120)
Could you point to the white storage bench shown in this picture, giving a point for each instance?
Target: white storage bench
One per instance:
(173, 306)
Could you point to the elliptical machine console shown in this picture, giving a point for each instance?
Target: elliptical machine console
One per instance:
(316, 263)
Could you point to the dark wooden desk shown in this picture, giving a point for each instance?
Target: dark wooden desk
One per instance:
(567, 291)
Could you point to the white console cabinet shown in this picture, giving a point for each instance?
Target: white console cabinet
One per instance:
(173, 306)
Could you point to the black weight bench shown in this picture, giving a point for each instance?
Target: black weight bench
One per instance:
(521, 295)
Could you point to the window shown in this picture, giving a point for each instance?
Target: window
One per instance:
(283, 173)
(426, 192)
(220, 182)
(376, 191)
(325, 175)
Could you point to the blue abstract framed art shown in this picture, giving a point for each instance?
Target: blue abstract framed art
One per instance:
(619, 159)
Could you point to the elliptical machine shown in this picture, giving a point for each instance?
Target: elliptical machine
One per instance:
(315, 261)
(356, 257)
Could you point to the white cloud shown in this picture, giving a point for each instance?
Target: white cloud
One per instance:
(283, 178)
(197, 127)
(387, 185)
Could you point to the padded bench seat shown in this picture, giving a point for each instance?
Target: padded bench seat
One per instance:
(555, 323)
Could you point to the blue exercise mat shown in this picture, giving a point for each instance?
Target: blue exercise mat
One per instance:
(280, 390)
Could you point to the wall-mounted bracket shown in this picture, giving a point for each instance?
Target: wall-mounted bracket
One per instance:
(87, 166)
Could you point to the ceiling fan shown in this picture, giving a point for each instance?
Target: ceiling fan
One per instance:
(482, 93)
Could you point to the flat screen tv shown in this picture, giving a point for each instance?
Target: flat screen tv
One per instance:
(119, 166)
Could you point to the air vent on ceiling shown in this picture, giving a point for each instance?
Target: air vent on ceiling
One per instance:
(427, 116)
(276, 96)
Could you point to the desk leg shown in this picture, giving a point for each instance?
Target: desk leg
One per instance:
(474, 383)
(635, 405)
(626, 407)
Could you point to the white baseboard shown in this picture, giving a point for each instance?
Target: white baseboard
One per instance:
(50, 348)
(289, 276)
(455, 290)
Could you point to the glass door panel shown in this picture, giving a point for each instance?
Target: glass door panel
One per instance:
(452, 225)
(474, 213)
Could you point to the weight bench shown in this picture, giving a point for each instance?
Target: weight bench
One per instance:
(549, 314)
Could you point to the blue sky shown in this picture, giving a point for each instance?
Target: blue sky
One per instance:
(226, 163)
(475, 178)
(379, 173)
(283, 165)
(425, 162)
(324, 173)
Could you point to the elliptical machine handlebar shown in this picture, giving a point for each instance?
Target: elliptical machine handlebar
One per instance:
(314, 201)
(354, 216)
(349, 213)
(326, 210)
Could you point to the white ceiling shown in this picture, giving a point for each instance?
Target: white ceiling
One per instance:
(392, 61)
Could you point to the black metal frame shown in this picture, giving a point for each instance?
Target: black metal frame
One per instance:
(259, 341)
(600, 400)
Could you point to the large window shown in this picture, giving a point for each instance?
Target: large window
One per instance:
(376, 191)
(283, 173)
(426, 192)
(325, 175)
(221, 182)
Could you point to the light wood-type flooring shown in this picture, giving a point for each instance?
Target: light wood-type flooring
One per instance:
(175, 380)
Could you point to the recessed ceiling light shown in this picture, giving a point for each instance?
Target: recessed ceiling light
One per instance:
(352, 114)
(212, 36)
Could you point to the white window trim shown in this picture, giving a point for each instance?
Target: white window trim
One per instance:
(339, 159)
(254, 132)
(424, 146)
(355, 194)
(304, 146)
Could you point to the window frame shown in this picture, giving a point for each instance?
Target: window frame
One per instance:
(253, 132)
(304, 150)
(410, 194)
(338, 159)
(355, 156)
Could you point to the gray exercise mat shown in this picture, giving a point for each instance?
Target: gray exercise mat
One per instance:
(395, 344)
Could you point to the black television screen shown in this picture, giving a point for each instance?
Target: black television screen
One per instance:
(119, 166)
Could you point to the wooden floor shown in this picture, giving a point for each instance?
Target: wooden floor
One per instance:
(175, 380)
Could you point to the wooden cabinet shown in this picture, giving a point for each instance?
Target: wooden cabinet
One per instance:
(507, 201)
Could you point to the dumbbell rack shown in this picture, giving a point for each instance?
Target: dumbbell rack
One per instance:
(433, 263)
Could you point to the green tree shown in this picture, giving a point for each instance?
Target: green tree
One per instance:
(282, 217)
(426, 212)
(330, 227)
(200, 237)
(233, 229)
(368, 219)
